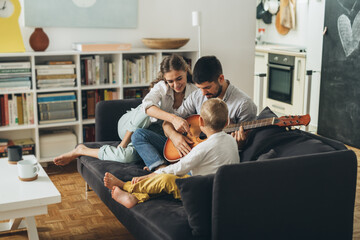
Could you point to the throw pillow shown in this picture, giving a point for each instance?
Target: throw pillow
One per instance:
(196, 195)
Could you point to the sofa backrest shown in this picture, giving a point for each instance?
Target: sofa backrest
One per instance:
(301, 197)
(107, 115)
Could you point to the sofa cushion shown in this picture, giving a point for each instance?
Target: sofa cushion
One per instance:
(274, 142)
(196, 195)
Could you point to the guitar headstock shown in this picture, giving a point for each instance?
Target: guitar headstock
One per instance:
(292, 120)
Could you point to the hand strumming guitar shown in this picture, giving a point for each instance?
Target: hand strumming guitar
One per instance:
(181, 142)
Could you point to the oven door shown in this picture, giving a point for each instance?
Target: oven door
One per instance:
(280, 83)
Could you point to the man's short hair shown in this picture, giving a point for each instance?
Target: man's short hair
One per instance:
(207, 69)
(215, 113)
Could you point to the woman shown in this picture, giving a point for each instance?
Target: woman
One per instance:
(173, 85)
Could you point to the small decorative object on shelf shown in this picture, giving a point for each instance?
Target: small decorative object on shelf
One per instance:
(165, 43)
(39, 41)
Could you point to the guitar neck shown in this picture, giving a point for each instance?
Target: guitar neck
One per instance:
(251, 124)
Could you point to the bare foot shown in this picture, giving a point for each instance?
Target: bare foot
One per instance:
(66, 158)
(124, 198)
(110, 181)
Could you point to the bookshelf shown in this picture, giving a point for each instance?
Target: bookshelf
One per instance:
(116, 86)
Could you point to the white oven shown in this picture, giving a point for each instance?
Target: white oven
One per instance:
(284, 86)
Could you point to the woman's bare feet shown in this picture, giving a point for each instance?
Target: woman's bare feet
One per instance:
(66, 158)
(110, 181)
(124, 198)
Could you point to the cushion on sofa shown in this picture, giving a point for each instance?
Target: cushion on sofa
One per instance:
(274, 142)
(196, 195)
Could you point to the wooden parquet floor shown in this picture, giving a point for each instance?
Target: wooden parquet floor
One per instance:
(79, 218)
(75, 217)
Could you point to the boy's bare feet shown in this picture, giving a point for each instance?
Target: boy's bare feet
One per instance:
(110, 181)
(66, 158)
(124, 198)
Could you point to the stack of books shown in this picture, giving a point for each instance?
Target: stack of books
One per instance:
(95, 70)
(55, 75)
(16, 109)
(56, 107)
(140, 70)
(15, 76)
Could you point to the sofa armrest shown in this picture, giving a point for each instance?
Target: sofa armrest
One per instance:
(107, 115)
(303, 197)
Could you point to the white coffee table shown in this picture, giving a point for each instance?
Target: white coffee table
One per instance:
(20, 199)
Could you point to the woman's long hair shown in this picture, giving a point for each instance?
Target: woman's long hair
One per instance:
(170, 63)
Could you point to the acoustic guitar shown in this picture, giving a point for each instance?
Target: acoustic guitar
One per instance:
(171, 154)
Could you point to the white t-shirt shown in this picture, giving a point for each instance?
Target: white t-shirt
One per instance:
(206, 157)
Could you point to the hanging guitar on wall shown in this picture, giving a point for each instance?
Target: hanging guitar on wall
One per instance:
(171, 154)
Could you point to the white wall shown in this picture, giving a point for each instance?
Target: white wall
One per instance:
(227, 32)
(308, 34)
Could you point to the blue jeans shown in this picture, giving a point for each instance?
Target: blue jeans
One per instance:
(150, 147)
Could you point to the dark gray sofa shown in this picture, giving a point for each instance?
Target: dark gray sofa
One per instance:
(289, 185)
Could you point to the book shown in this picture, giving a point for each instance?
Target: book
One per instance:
(56, 94)
(30, 107)
(25, 110)
(55, 66)
(12, 79)
(59, 62)
(6, 110)
(4, 141)
(94, 47)
(15, 70)
(56, 76)
(57, 120)
(3, 149)
(57, 99)
(55, 71)
(12, 75)
(90, 104)
(55, 106)
(53, 115)
(11, 65)
(20, 109)
(2, 110)
(15, 84)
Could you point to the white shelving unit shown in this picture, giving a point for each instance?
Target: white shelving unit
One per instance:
(34, 130)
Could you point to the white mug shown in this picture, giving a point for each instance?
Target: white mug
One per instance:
(28, 170)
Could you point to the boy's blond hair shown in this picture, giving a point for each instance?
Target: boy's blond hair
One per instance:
(215, 113)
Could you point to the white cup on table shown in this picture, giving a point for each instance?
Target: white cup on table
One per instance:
(28, 170)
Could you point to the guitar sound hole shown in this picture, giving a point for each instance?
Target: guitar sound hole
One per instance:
(202, 136)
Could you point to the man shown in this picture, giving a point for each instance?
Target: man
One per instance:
(208, 77)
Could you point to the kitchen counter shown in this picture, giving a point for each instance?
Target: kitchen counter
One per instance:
(281, 49)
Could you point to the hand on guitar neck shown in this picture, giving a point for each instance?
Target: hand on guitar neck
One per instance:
(172, 153)
(240, 137)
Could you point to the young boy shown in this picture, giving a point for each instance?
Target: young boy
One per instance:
(205, 158)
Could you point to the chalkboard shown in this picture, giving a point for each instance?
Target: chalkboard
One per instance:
(339, 109)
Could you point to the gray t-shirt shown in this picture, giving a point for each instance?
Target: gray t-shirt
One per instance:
(241, 107)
